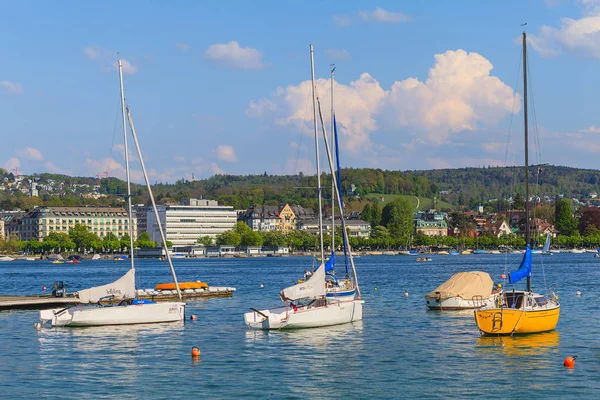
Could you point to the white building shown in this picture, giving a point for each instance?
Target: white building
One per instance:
(184, 224)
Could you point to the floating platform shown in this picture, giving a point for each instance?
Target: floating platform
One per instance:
(49, 301)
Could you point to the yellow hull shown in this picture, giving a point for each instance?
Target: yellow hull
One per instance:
(506, 321)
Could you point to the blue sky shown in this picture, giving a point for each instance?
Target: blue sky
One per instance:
(223, 87)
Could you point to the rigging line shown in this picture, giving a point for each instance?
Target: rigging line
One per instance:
(534, 114)
(512, 114)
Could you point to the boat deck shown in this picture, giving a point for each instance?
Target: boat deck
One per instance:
(48, 301)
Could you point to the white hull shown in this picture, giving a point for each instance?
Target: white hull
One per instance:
(115, 315)
(458, 303)
(337, 313)
(6, 258)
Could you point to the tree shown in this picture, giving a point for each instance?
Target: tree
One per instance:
(229, 238)
(590, 220)
(125, 241)
(205, 240)
(398, 217)
(565, 223)
(518, 202)
(144, 241)
(365, 215)
(111, 242)
(273, 238)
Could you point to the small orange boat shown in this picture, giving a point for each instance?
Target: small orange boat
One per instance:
(182, 286)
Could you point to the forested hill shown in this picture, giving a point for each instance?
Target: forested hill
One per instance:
(502, 182)
(462, 186)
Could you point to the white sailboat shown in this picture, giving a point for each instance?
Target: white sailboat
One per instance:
(130, 310)
(316, 302)
(546, 248)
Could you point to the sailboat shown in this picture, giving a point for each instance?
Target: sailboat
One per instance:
(521, 311)
(92, 311)
(546, 248)
(317, 301)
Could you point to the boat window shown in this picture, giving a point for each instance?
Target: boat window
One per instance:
(514, 300)
(541, 301)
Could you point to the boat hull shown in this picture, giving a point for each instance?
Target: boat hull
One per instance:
(508, 321)
(114, 315)
(458, 303)
(336, 313)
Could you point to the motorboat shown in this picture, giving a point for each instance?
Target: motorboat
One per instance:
(464, 291)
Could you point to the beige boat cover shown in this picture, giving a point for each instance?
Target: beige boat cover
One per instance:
(465, 285)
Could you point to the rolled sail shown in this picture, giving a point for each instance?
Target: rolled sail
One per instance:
(524, 270)
(123, 288)
(313, 287)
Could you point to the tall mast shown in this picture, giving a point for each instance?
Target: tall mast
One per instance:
(527, 229)
(332, 172)
(127, 167)
(312, 70)
(160, 228)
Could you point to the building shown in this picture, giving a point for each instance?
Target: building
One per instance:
(355, 227)
(39, 222)
(358, 228)
(270, 218)
(431, 228)
(140, 212)
(185, 223)
(11, 221)
(497, 228)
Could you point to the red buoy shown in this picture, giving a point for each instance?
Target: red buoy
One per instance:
(193, 317)
(570, 362)
(44, 287)
(195, 352)
(502, 276)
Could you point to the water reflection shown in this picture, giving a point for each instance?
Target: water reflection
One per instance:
(521, 345)
(110, 354)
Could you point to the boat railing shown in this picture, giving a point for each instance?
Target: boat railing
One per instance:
(478, 301)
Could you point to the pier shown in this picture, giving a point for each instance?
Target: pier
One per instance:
(49, 301)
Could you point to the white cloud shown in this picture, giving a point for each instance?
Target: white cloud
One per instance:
(226, 153)
(494, 147)
(107, 57)
(342, 21)
(94, 52)
(458, 95)
(591, 129)
(31, 153)
(383, 16)
(128, 68)
(338, 54)
(576, 35)
(11, 87)
(233, 56)
(182, 46)
(11, 164)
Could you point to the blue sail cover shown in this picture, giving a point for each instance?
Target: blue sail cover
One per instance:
(330, 263)
(524, 270)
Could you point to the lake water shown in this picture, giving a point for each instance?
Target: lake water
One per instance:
(399, 350)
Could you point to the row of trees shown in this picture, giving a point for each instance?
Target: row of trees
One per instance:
(79, 238)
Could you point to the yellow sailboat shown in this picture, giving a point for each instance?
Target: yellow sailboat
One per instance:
(520, 311)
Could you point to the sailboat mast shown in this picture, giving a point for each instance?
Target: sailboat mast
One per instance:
(162, 233)
(527, 228)
(127, 167)
(332, 172)
(314, 96)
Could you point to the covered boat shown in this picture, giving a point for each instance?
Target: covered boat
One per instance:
(463, 291)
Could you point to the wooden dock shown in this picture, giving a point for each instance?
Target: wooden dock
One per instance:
(48, 301)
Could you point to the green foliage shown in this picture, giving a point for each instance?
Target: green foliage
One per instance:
(518, 202)
(144, 241)
(125, 241)
(229, 238)
(205, 240)
(397, 216)
(111, 242)
(565, 223)
(83, 238)
(274, 238)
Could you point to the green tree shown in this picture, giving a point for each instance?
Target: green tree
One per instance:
(251, 238)
(518, 202)
(111, 242)
(273, 238)
(205, 240)
(565, 223)
(144, 241)
(398, 217)
(375, 215)
(229, 238)
(365, 215)
(125, 241)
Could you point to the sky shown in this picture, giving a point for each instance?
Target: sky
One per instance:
(224, 87)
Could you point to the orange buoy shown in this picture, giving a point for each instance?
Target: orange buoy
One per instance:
(570, 362)
(193, 317)
(44, 287)
(502, 276)
(195, 352)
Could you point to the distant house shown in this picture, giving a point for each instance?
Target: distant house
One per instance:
(431, 228)
(497, 228)
(269, 218)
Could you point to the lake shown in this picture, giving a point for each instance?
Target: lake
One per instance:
(399, 350)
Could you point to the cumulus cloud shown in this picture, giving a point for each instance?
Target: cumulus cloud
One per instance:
(11, 164)
(182, 46)
(591, 129)
(11, 87)
(226, 153)
(458, 95)
(382, 16)
(236, 57)
(340, 54)
(128, 68)
(31, 153)
(576, 35)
